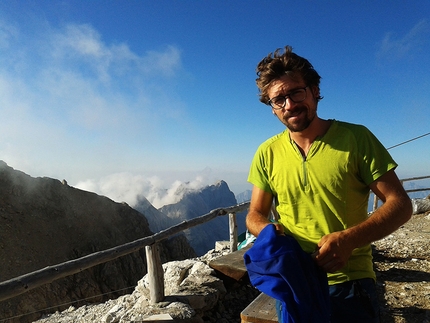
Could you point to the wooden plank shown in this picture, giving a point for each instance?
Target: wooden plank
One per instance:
(232, 264)
(261, 310)
(159, 318)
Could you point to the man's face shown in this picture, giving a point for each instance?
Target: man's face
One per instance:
(295, 116)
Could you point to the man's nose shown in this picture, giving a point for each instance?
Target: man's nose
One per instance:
(289, 104)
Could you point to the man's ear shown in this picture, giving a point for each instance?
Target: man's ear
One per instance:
(315, 91)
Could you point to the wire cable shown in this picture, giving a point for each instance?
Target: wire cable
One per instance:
(65, 304)
(405, 142)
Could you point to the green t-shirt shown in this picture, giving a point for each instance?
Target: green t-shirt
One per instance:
(325, 192)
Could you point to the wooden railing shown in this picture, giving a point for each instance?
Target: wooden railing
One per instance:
(24, 283)
(376, 199)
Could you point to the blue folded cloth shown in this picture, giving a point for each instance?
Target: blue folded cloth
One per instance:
(279, 267)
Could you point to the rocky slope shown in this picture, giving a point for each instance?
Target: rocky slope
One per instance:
(45, 222)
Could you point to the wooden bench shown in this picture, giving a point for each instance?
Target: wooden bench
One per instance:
(261, 310)
(231, 265)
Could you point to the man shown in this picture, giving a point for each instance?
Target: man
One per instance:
(318, 173)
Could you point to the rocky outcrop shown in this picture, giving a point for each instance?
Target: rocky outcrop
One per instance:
(421, 205)
(44, 222)
(193, 292)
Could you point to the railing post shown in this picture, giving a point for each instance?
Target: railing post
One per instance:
(155, 273)
(375, 202)
(233, 231)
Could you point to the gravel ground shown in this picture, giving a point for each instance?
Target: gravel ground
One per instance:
(402, 264)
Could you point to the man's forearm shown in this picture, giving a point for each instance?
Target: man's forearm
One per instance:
(385, 220)
(255, 222)
(394, 212)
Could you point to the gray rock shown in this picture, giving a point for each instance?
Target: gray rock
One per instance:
(420, 205)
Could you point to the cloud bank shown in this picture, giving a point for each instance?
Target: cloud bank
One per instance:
(128, 187)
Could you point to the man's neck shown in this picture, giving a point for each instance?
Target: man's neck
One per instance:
(305, 138)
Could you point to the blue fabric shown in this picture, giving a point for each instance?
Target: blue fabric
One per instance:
(278, 267)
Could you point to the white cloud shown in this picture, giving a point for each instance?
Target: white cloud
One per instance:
(127, 187)
(69, 87)
(73, 70)
(82, 45)
(81, 39)
(7, 32)
(167, 62)
(393, 48)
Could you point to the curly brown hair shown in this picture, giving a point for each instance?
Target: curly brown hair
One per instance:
(277, 64)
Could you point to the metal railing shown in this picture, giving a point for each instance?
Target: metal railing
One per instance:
(376, 199)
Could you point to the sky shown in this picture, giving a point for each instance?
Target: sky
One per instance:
(139, 97)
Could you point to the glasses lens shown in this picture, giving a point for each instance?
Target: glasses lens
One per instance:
(278, 102)
(298, 96)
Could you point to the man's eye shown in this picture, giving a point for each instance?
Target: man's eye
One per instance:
(278, 100)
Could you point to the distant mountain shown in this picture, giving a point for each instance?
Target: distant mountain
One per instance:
(195, 203)
(244, 196)
(412, 185)
(157, 220)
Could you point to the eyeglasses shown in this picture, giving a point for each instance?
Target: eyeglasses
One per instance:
(278, 102)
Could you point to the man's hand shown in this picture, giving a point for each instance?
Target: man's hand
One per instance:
(279, 228)
(333, 251)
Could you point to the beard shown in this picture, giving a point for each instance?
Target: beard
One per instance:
(305, 115)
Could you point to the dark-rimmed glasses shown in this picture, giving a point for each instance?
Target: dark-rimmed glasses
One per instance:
(279, 102)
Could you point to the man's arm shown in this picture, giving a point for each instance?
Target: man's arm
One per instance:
(336, 248)
(259, 209)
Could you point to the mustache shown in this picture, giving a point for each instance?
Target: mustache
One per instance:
(295, 112)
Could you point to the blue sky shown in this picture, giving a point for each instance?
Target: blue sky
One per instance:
(125, 96)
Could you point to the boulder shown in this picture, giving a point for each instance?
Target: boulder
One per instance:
(420, 205)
